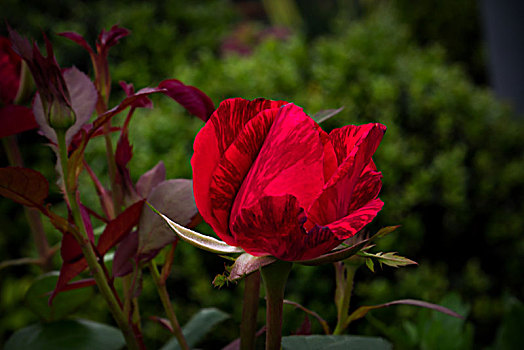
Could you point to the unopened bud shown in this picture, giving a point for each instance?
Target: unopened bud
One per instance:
(61, 116)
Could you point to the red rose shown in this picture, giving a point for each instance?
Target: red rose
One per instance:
(268, 179)
(13, 118)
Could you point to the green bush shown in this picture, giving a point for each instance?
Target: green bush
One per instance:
(452, 156)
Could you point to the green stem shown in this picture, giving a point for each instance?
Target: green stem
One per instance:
(111, 164)
(275, 277)
(168, 307)
(345, 274)
(132, 339)
(33, 216)
(250, 311)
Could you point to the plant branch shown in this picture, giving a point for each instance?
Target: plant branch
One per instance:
(168, 307)
(132, 339)
(345, 274)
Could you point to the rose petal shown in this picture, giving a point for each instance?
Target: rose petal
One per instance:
(367, 187)
(215, 138)
(354, 222)
(346, 138)
(358, 145)
(15, 119)
(272, 226)
(10, 66)
(291, 161)
(233, 167)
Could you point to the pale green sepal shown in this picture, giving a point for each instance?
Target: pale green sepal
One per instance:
(197, 239)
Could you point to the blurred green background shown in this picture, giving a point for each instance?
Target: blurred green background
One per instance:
(452, 158)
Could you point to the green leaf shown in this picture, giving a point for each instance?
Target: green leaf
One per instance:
(385, 231)
(334, 342)
(197, 239)
(369, 264)
(66, 335)
(509, 334)
(390, 259)
(247, 263)
(324, 115)
(37, 297)
(198, 327)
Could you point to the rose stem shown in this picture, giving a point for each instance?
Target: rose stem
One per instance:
(250, 311)
(275, 277)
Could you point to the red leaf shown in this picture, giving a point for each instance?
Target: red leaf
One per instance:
(126, 102)
(194, 100)
(123, 154)
(124, 151)
(118, 228)
(25, 186)
(111, 38)
(114, 232)
(84, 211)
(83, 99)
(16, 119)
(143, 102)
(126, 251)
(150, 179)
(79, 39)
(175, 199)
(68, 271)
(70, 250)
(86, 282)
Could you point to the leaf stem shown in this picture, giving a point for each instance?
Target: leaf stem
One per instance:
(250, 311)
(168, 307)
(275, 277)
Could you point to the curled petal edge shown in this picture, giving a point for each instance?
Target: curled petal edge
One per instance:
(197, 239)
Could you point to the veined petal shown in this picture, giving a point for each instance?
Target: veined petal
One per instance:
(272, 226)
(354, 222)
(330, 157)
(357, 144)
(291, 161)
(233, 167)
(211, 143)
(367, 187)
(345, 139)
(231, 116)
